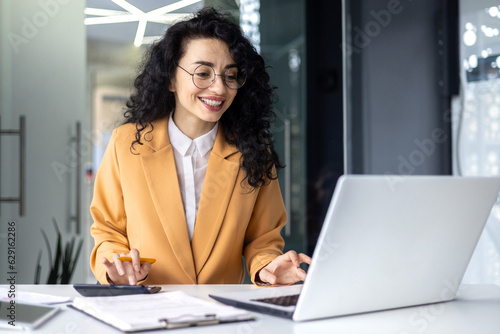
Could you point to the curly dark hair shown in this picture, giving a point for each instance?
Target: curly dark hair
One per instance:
(246, 123)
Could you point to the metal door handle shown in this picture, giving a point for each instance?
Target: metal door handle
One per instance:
(22, 161)
(77, 139)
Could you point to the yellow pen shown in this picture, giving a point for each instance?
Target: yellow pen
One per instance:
(142, 259)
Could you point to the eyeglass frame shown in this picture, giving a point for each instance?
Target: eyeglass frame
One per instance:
(223, 76)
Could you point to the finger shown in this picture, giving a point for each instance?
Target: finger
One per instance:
(136, 261)
(141, 275)
(106, 263)
(109, 265)
(130, 273)
(304, 258)
(292, 255)
(118, 264)
(111, 270)
(267, 277)
(301, 274)
(145, 268)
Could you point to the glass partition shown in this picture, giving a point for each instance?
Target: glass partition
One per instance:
(476, 120)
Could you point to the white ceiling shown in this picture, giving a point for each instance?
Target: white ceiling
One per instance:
(125, 32)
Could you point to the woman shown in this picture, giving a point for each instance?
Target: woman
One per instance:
(190, 178)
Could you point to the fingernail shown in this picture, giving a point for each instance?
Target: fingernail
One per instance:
(120, 271)
(137, 268)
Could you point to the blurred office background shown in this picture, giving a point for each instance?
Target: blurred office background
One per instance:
(364, 86)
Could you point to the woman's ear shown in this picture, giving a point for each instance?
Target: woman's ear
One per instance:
(171, 84)
(171, 87)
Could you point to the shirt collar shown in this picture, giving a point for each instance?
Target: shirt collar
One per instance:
(206, 142)
(182, 143)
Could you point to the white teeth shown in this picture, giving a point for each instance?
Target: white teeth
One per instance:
(211, 102)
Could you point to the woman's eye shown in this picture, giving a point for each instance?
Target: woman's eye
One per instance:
(231, 75)
(203, 75)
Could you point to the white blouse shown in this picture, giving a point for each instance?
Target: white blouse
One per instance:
(191, 161)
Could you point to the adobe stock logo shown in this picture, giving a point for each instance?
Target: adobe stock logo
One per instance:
(32, 24)
(381, 19)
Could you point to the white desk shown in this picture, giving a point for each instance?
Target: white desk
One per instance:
(476, 310)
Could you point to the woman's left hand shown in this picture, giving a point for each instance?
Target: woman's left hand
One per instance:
(285, 269)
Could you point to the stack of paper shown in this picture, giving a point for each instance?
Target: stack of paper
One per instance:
(32, 297)
(162, 310)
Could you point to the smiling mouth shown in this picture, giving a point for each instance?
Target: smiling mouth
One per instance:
(212, 103)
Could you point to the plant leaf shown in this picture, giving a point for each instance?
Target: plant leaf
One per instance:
(38, 267)
(66, 261)
(56, 226)
(54, 272)
(75, 259)
(48, 246)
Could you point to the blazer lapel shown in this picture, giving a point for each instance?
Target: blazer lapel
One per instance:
(161, 176)
(217, 190)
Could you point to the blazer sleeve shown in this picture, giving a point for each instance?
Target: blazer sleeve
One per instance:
(109, 228)
(263, 241)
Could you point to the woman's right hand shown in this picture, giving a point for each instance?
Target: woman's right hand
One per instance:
(126, 272)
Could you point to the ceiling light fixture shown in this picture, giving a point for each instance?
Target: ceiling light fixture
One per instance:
(133, 14)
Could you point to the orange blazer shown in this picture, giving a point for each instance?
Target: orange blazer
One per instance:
(137, 204)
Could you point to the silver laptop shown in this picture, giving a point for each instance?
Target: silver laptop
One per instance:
(386, 242)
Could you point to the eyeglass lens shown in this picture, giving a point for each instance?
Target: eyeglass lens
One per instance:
(204, 76)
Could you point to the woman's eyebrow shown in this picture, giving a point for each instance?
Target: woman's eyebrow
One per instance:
(202, 62)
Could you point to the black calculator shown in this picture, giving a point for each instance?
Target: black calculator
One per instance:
(97, 290)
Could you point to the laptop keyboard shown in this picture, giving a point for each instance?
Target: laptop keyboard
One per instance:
(290, 300)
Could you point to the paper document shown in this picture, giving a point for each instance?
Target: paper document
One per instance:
(32, 297)
(162, 310)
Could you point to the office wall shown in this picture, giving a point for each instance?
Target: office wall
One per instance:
(400, 76)
(42, 71)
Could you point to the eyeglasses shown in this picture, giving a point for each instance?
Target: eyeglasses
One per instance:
(204, 76)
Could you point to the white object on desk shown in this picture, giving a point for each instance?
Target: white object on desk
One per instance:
(31, 297)
(20, 316)
(156, 311)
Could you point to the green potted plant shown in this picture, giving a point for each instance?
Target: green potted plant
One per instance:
(62, 265)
